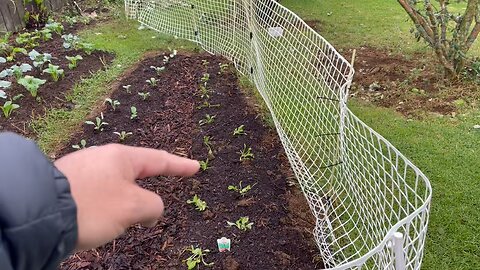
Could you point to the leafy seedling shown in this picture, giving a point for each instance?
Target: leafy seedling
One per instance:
(81, 145)
(207, 120)
(98, 124)
(246, 153)
(55, 72)
(70, 41)
(242, 224)
(239, 131)
(241, 190)
(204, 164)
(173, 54)
(152, 81)
(31, 84)
(204, 92)
(207, 104)
(8, 107)
(223, 68)
(133, 112)
(158, 69)
(205, 78)
(13, 52)
(205, 63)
(39, 59)
(199, 204)
(197, 258)
(144, 95)
(113, 102)
(122, 136)
(46, 34)
(18, 71)
(73, 61)
(127, 88)
(166, 59)
(54, 27)
(88, 48)
(28, 39)
(208, 144)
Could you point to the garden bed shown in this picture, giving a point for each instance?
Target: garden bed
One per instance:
(169, 118)
(51, 94)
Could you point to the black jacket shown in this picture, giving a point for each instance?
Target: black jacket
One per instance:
(38, 220)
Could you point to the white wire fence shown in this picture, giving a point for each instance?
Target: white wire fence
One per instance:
(371, 204)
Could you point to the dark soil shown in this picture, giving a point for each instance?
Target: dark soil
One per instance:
(281, 235)
(412, 85)
(52, 94)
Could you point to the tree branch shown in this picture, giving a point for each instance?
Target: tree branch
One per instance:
(420, 22)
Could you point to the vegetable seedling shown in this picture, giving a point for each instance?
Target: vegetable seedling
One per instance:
(31, 84)
(55, 72)
(246, 153)
(98, 124)
(144, 95)
(166, 59)
(199, 204)
(204, 92)
(133, 112)
(205, 63)
(39, 59)
(205, 78)
(197, 258)
(122, 136)
(242, 224)
(8, 107)
(73, 61)
(158, 69)
(207, 120)
(88, 48)
(54, 27)
(223, 68)
(173, 54)
(239, 131)
(207, 104)
(152, 81)
(204, 164)
(11, 55)
(241, 190)
(18, 71)
(208, 144)
(127, 88)
(70, 41)
(81, 145)
(114, 103)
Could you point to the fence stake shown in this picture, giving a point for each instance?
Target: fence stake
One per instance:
(398, 251)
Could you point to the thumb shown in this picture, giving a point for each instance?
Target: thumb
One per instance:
(149, 209)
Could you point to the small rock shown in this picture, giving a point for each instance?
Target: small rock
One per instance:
(476, 127)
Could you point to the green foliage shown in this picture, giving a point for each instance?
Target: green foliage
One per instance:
(152, 81)
(205, 78)
(122, 136)
(246, 153)
(18, 71)
(55, 72)
(133, 112)
(35, 15)
(241, 190)
(204, 164)
(8, 107)
(81, 145)
(98, 124)
(113, 103)
(196, 258)
(31, 84)
(127, 88)
(73, 61)
(207, 104)
(28, 39)
(13, 51)
(223, 68)
(55, 27)
(199, 204)
(39, 59)
(239, 131)
(158, 70)
(204, 92)
(207, 120)
(144, 95)
(242, 224)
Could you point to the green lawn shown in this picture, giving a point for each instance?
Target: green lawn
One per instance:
(447, 150)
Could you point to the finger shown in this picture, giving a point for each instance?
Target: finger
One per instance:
(149, 209)
(150, 162)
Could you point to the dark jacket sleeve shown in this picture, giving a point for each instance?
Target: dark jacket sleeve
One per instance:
(38, 220)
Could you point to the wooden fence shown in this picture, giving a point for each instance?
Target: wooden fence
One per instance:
(12, 12)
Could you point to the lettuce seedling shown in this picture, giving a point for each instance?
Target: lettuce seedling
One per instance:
(205, 78)
(158, 69)
(55, 71)
(70, 41)
(246, 153)
(19, 70)
(11, 55)
(204, 164)
(241, 190)
(73, 61)
(54, 27)
(223, 68)
(31, 84)
(28, 39)
(46, 34)
(133, 112)
(204, 92)
(82, 145)
(152, 81)
(239, 131)
(207, 120)
(39, 59)
(114, 103)
(8, 107)
(122, 136)
(197, 257)
(199, 204)
(144, 95)
(127, 88)
(98, 124)
(242, 224)
(173, 54)
(166, 59)
(205, 63)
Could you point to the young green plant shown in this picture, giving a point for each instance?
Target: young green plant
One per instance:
(239, 131)
(197, 258)
(242, 224)
(98, 124)
(246, 153)
(241, 190)
(113, 103)
(81, 145)
(207, 120)
(122, 136)
(204, 164)
(158, 69)
(8, 107)
(199, 204)
(127, 88)
(144, 95)
(152, 81)
(73, 61)
(205, 78)
(133, 113)
(31, 84)
(55, 72)
(207, 104)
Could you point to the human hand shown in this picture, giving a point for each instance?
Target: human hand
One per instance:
(102, 182)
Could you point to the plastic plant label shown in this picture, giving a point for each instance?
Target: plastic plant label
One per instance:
(275, 31)
(223, 244)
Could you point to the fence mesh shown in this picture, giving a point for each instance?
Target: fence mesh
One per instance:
(360, 188)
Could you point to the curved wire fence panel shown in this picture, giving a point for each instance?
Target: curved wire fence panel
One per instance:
(371, 204)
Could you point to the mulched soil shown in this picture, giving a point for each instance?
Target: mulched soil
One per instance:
(411, 86)
(281, 235)
(52, 94)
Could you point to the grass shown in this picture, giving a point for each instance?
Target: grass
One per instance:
(120, 37)
(446, 149)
